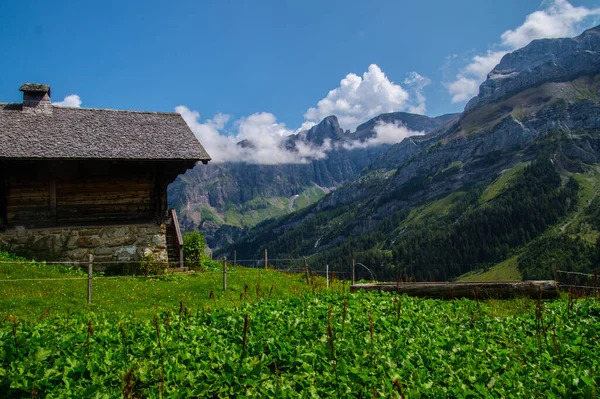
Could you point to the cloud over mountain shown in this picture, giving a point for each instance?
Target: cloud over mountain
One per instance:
(256, 139)
(358, 99)
(261, 139)
(557, 18)
(385, 133)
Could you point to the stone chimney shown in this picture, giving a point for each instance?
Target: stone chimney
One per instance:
(36, 97)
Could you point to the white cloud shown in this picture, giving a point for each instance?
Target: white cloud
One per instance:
(557, 18)
(391, 133)
(217, 145)
(417, 84)
(219, 120)
(385, 133)
(265, 139)
(305, 126)
(355, 101)
(463, 88)
(481, 65)
(72, 100)
(358, 99)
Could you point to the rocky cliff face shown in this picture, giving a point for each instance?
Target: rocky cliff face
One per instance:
(542, 61)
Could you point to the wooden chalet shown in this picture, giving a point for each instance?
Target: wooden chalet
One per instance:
(70, 176)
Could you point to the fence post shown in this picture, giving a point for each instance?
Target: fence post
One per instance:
(306, 270)
(90, 266)
(266, 258)
(327, 274)
(353, 272)
(595, 282)
(234, 257)
(225, 274)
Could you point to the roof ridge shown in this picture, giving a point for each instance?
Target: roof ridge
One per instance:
(116, 110)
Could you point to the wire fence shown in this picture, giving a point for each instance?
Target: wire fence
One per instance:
(229, 275)
(578, 283)
(281, 277)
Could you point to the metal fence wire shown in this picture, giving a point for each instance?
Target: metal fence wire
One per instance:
(582, 283)
(99, 271)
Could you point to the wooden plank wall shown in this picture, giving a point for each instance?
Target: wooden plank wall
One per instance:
(3, 193)
(62, 193)
(27, 200)
(100, 198)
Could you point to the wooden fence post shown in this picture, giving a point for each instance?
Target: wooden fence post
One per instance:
(234, 257)
(306, 270)
(266, 258)
(353, 272)
(595, 283)
(327, 274)
(225, 274)
(90, 267)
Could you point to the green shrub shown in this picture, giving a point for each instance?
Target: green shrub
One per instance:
(194, 246)
(213, 265)
(150, 266)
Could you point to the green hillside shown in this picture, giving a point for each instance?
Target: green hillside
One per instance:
(252, 212)
(529, 208)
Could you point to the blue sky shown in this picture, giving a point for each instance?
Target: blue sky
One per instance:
(236, 59)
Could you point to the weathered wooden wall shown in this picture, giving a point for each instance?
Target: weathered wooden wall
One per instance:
(105, 198)
(63, 193)
(27, 200)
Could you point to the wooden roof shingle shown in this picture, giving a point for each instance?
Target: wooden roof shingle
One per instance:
(88, 133)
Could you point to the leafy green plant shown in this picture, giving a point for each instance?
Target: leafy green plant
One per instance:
(212, 265)
(194, 246)
(323, 345)
(150, 266)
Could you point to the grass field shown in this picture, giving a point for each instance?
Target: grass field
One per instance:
(503, 271)
(138, 297)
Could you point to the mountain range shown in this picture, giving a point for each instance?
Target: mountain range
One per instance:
(509, 186)
(224, 200)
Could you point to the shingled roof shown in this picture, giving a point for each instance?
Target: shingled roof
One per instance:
(85, 133)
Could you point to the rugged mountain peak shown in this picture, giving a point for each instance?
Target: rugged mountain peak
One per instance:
(245, 144)
(541, 61)
(328, 128)
(330, 120)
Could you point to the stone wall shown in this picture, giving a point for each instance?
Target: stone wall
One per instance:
(74, 244)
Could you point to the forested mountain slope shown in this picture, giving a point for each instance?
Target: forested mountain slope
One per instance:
(492, 185)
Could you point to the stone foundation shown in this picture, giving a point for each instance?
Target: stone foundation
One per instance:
(73, 244)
